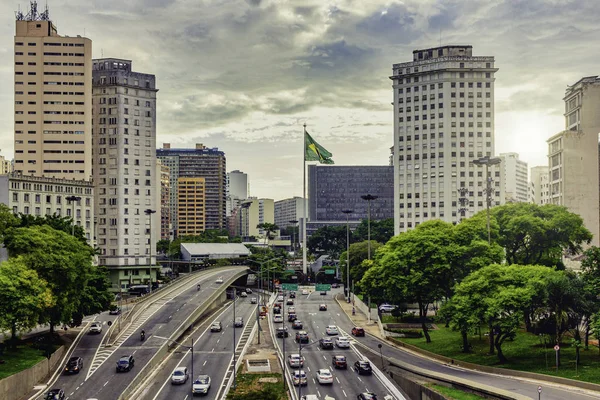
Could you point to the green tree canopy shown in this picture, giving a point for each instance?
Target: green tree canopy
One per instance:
(64, 224)
(358, 253)
(7, 220)
(96, 296)
(328, 240)
(381, 230)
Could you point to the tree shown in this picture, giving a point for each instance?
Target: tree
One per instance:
(162, 246)
(7, 220)
(533, 234)
(96, 296)
(381, 230)
(24, 296)
(329, 240)
(64, 224)
(358, 253)
(590, 267)
(62, 260)
(269, 228)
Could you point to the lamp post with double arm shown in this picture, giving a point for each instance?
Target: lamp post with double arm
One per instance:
(73, 199)
(487, 161)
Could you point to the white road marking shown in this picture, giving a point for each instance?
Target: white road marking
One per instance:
(205, 361)
(338, 381)
(343, 391)
(106, 383)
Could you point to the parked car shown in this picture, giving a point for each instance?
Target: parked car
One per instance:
(339, 362)
(277, 318)
(299, 378)
(282, 332)
(363, 367)
(216, 326)
(302, 337)
(385, 307)
(367, 396)
(219, 280)
(179, 376)
(342, 342)
(239, 322)
(74, 365)
(324, 377)
(295, 361)
(96, 327)
(326, 343)
(125, 364)
(201, 385)
(358, 331)
(297, 324)
(253, 300)
(322, 307)
(332, 330)
(292, 317)
(55, 394)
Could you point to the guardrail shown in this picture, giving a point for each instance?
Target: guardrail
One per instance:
(185, 325)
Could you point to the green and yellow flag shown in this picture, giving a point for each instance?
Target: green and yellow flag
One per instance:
(313, 151)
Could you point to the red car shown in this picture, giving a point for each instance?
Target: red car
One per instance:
(358, 331)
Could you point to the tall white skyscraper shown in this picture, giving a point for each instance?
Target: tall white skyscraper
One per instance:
(539, 185)
(443, 120)
(515, 178)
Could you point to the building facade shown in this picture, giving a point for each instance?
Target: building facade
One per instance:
(199, 162)
(191, 202)
(515, 178)
(5, 166)
(332, 189)
(443, 120)
(166, 228)
(287, 210)
(539, 185)
(53, 97)
(254, 212)
(127, 197)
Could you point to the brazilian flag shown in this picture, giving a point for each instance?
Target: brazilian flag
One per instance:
(313, 151)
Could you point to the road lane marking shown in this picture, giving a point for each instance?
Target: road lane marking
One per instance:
(343, 391)
(205, 361)
(106, 383)
(338, 381)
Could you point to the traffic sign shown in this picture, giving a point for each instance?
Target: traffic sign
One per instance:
(289, 286)
(322, 287)
(556, 348)
(539, 389)
(330, 272)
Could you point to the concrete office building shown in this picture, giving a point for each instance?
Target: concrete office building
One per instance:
(237, 190)
(539, 185)
(515, 178)
(127, 196)
(256, 212)
(443, 120)
(287, 210)
(166, 228)
(191, 203)
(200, 162)
(573, 155)
(53, 96)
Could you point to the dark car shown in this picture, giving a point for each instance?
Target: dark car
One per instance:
(114, 310)
(292, 317)
(276, 310)
(55, 394)
(335, 285)
(363, 367)
(339, 362)
(125, 364)
(323, 293)
(322, 307)
(297, 324)
(358, 331)
(292, 295)
(290, 302)
(367, 396)
(74, 365)
(302, 337)
(326, 343)
(282, 332)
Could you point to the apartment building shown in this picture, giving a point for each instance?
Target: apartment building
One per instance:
(254, 212)
(191, 206)
(287, 210)
(443, 121)
(5, 166)
(166, 228)
(539, 185)
(516, 181)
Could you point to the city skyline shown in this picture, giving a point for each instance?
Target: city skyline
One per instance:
(245, 76)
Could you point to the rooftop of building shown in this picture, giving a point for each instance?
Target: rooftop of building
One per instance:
(199, 149)
(586, 80)
(457, 52)
(196, 249)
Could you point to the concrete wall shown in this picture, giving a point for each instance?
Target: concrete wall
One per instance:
(18, 385)
(361, 306)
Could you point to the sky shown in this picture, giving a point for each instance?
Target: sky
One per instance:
(245, 75)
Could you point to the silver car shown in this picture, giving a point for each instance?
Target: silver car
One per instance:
(201, 385)
(179, 376)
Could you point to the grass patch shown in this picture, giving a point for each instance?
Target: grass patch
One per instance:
(525, 353)
(249, 388)
(19, 359)
(453, 394)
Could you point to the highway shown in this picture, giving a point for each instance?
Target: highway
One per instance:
(347, 383)
(98, 379)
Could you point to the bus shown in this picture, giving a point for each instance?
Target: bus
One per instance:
(138, 290)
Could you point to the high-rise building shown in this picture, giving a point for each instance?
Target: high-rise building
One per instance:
(573, 155)
(539, 186)
(443, 120)
(515, 178)
(255, 212)
(53, 96)
(287, 210)
(199, 162)
(237, 190)
(5, 166)
(191, 201)
(162, 172)
(127, 196)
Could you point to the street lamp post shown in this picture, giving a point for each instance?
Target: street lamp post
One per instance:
(347, 212)
(259, 301)
(73, 199)
(234, 370)
(369, 198)
(487, 161)
(191, 349)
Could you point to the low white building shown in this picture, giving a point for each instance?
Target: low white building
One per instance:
(205, 251)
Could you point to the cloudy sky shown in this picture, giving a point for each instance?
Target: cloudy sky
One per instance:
(244, 75)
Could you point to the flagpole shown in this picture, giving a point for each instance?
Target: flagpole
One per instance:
(304, 200)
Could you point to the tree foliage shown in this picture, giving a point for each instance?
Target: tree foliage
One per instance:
(358, 254)
(7, 220)
(381, 230)
(328, 240)
(64, 224)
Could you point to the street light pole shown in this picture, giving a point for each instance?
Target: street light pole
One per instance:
(294, 221)
(259, 297)
(487, 161)
(300, 347)
(73, 199)
(369, 198)
(347, 212)
(234, 369)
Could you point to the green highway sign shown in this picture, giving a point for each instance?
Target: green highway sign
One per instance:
(330, 272)
(289, 286)
(322, 287)
(290, 270)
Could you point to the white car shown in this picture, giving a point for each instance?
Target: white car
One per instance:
(243, 294)
(385, 307)
(291, 310)
(342, 342)
(278, 318)
(96, 327)
(201, 385)
(324, 376)
(279, 299)
(253, 300)
(295, 360)
(219, 280)
(304, 292)
(332, 330)
(179, 376)
(299, 378)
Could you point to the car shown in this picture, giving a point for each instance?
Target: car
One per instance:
(302, 337)
(385, 307)
(324, 377)
(114, 311)
(295, 361)
(304, 292)
(342, 342)
(277, 318)
(276, 310)
(279, 298)
(323, 293)
(335, 285)
(125, 363)
(290, 302)
(332, 330)
(201, 385)
(219, 280)
(310, 397)
(282, 332)
(322, 307)
(367, 396)
(216, 326)
(291, 310)
(239, 322)
(243, 294)
(96, 327)
(297, 324)
(74, 365)
(326, 343)
(248, 290)
(253, 300)
(339, 362)
(358, 331)
(55, 394)
(292, 317)
(363, 367)
(179, 376)
(292, 295)
(299, 378)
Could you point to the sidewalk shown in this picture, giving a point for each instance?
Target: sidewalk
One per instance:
(359, 318)
(265, 350)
